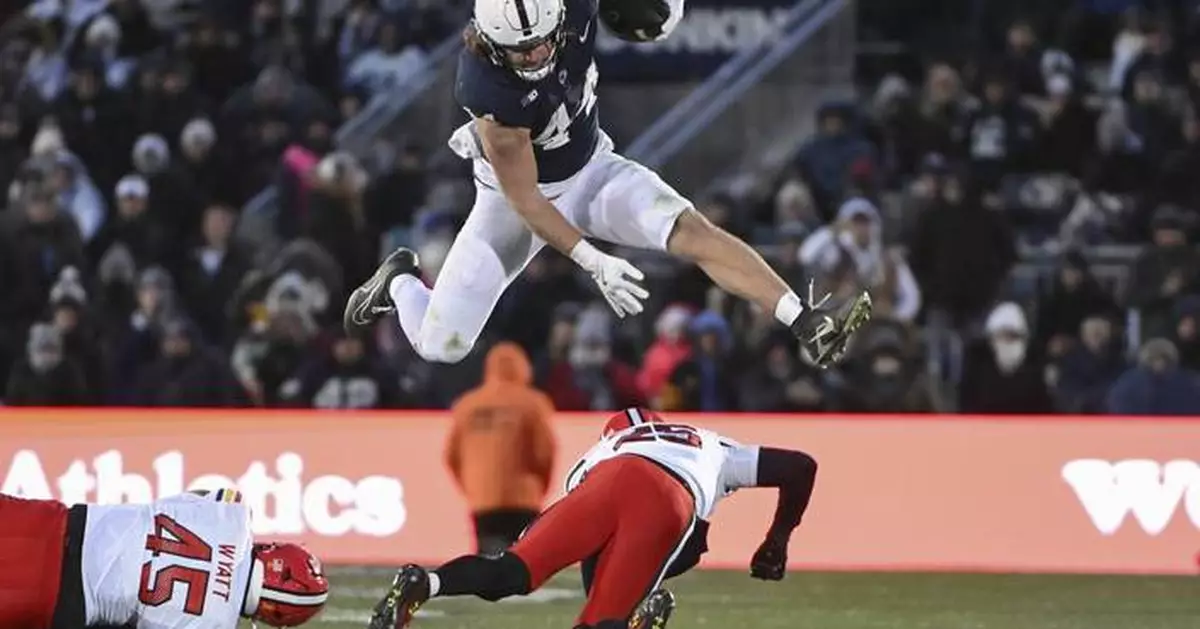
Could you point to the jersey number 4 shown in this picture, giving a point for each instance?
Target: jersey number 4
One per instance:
(558, 131)
(158, 587)
(678, 434)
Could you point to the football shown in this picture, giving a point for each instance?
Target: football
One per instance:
(635, 20)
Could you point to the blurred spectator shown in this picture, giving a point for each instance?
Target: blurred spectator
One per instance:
(336, 218)
(779, 382)
(137, 339)
(960, 252)
(851, 253)
(1001, 134)
(77, 195)
(501, 449)
(12, 150)
(208, 165)
(1163, 272)
(883, 377)
(711, 384)
(95, 123)
(1073, 296)
(348, 376)
(44, 241)
(1176, 182)
(45, 377)
(941, 114)
(582, 373)
(132, 227)
(271, 353)
(825, 160)
(1187, 331)
(174, 199)
(669, 349)
(1021, 63)
(390, 64)
(796, 213)
(212, 272)
(1157, 385)
(1088, 369)
(396, 191)
(1156, 55)
(1000, 374)
(1068, 129)
(81, 339)
(187, 373)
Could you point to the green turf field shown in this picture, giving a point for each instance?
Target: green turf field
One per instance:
(721, 600)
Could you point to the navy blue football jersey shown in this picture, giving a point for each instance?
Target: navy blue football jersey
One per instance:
(559, 110)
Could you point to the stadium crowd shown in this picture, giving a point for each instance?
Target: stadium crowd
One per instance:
(131, 135)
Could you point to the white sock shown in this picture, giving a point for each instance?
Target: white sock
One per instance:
(411, 298)
(788, 308)
(435, 584)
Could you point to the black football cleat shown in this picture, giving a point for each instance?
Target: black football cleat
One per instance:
(371, 300)
(825, 331)
(410, 589)
(655, 611)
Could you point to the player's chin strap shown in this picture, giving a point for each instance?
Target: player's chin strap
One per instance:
(253, 591)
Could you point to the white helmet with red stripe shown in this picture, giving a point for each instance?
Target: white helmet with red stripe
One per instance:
(628, 418)
(287, 585)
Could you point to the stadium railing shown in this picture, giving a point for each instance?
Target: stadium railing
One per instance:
(761, 101)
(379, 119)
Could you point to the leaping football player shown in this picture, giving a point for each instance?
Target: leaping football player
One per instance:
(545, 173)
(635, 512)
(183, 562)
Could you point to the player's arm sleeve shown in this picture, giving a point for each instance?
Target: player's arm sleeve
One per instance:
(795, 474)
(484, 96)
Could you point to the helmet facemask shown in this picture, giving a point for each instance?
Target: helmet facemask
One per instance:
(502, 55)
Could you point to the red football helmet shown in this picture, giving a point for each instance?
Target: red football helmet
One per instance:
(287, 585)
(628, 418)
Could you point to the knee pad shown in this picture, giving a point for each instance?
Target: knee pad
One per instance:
(511, 578)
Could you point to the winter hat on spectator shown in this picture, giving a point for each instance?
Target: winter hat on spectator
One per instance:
(199, 132)
(151, 154)
(103, 30)
(1007, 317)
(156, 277)
(710, 322)
(1158, 352)
(133, 186)
(672, 321)
(47, 140)
(68, 290)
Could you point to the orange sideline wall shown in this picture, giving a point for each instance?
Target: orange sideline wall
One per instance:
(946, 493)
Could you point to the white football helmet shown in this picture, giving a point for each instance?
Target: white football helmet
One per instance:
(514, 26)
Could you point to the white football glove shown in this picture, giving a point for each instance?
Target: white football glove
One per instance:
(617, 278)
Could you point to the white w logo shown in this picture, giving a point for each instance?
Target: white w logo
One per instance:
(1108, 491)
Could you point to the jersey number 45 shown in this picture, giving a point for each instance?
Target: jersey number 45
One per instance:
(678, 434)
(157, 587)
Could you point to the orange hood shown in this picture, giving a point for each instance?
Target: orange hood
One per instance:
(507, 363)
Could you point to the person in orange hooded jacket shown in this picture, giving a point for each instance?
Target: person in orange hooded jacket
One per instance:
(501, 448)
